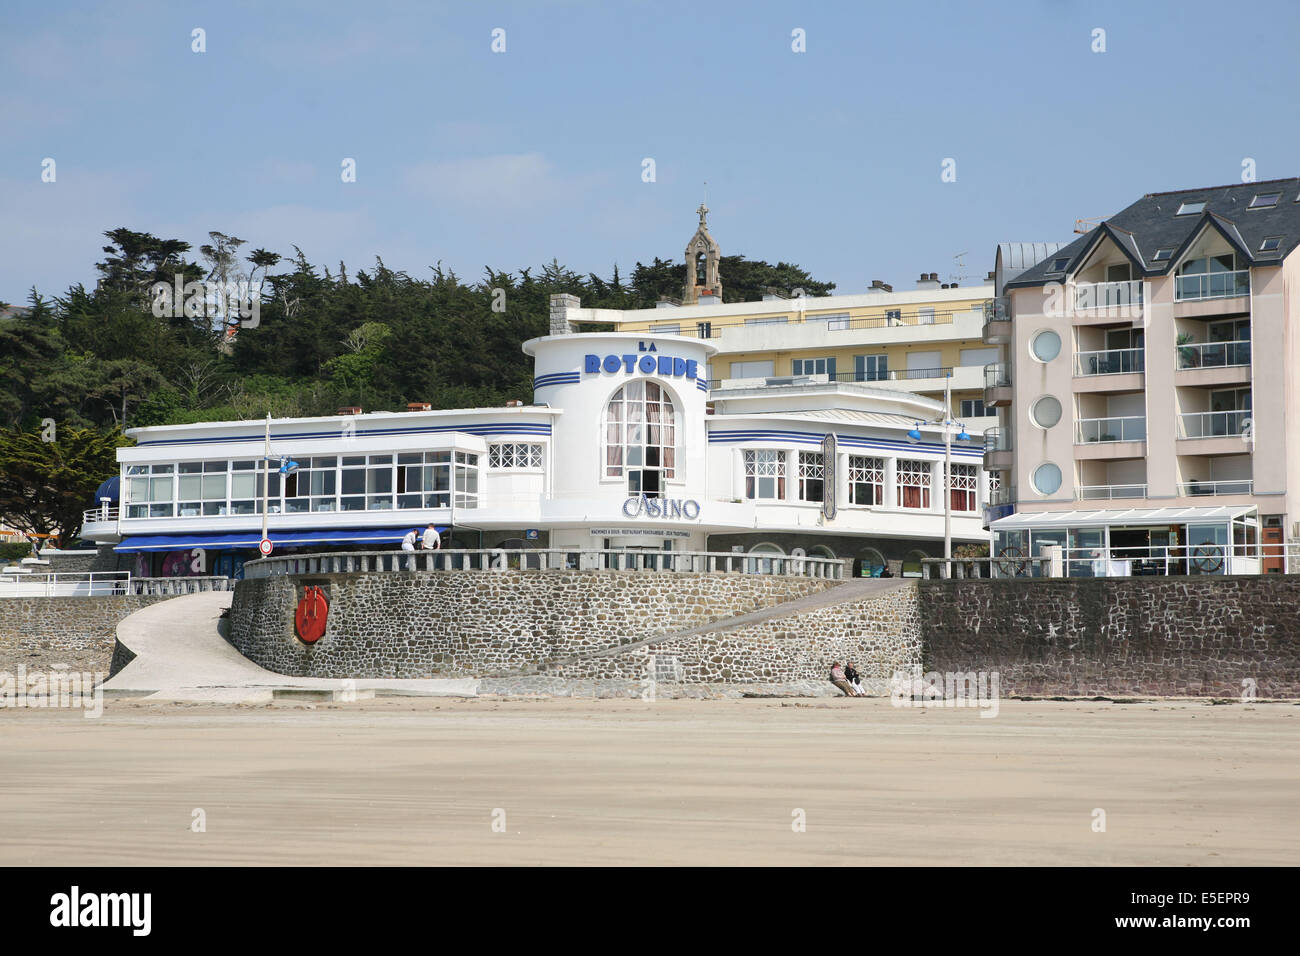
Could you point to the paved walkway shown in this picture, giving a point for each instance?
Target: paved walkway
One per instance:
(181, 655)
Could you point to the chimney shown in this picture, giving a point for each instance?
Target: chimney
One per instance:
(418, 406)
(514, 403)
(561, 305)
(928, 280)
(992, 276)
(708, 297)
(879, 285)
(349, 410)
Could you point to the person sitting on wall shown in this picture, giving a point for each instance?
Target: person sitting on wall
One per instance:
(408, 545)
(432, 541)
(854, 679)
(840, 681)
(885, 572)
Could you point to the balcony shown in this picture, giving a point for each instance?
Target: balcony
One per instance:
(1130, 428)
(1110, 492)
(997, 385)
(1234, 424)
(1213, 354)
(1238, 486)
(997, 449)
(1110, 362)
(997, 322)
(1212, 285)
(1109, 301)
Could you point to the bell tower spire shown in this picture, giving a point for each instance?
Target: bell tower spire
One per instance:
(702, 255)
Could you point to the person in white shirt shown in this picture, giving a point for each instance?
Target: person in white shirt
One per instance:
(408, 545)
(432, 541)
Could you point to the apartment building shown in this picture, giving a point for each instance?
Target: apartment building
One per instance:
(1147, 423)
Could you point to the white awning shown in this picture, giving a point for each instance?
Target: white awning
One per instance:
(1135, 517)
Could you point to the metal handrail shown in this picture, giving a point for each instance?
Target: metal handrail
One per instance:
(1212, 285)
(1123, 428)
(1106, 492)
(546, 559)
(1110, 362)
(1213, 424)
(64, 583)
(996, 375)
(1213, 354)
(1225, 486)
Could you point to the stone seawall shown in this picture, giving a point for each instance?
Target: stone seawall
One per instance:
(1209, 636)
(526, 631)
(77, 631)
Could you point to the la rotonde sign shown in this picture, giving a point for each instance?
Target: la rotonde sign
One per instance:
(647, 360)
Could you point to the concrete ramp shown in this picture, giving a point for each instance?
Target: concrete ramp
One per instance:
(181, 655)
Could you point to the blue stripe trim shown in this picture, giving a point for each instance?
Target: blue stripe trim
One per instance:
(491, 428)
(556, 378)
(720, 437)
(702, 384)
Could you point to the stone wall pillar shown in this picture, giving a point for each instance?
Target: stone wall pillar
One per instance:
(560, 306)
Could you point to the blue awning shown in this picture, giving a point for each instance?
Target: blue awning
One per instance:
(109, 489)
(218, 540)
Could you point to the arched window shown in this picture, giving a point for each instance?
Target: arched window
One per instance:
(871, 563)
(641, 437)
(764, 565)
(912, 566)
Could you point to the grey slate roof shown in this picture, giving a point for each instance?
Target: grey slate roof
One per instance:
(1152, 223)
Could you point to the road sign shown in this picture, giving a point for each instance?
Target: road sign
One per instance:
(265, 546)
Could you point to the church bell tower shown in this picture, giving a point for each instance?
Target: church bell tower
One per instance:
(702, 263)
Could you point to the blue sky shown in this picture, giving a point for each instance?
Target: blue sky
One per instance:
(830, 158)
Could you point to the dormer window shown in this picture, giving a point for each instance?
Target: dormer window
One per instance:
(1191, 208)
(1264, 200)
(1058, 265)
(1271, 244)
(1162, 255)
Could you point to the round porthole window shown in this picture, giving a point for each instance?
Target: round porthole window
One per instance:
(1045, 346)
(1047, 479)
(1045, 412)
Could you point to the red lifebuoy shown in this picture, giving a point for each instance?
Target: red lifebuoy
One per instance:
(309, 619)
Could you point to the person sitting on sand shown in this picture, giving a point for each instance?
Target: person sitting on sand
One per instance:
(854, 679)
(838, 679)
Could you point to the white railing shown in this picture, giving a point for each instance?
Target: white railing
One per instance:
(67, 584)
(1161, 560)
(1212, 424)
(1110, 362)
(1128, 428)
(1107, 492)
(545, 559)
(1213, 354)
(98, 515)
(1228, 486)
(1212, 285)
(1112, 296)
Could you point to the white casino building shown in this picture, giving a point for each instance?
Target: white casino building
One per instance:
(625, 447)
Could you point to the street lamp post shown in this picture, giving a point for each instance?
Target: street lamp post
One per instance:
(947, 423)
(287, 467)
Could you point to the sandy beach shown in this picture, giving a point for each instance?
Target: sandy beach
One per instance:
(489, 781)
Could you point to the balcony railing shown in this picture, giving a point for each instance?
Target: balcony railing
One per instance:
(99, 514)
(1110, 362)
(1108, 492)
(996, 439)
(1214, 354)
(1212, 424)
(1231, 486)
(1127, 428)
(1212, 285)
(997, 375)
(1109, 295)
(1003, 495)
